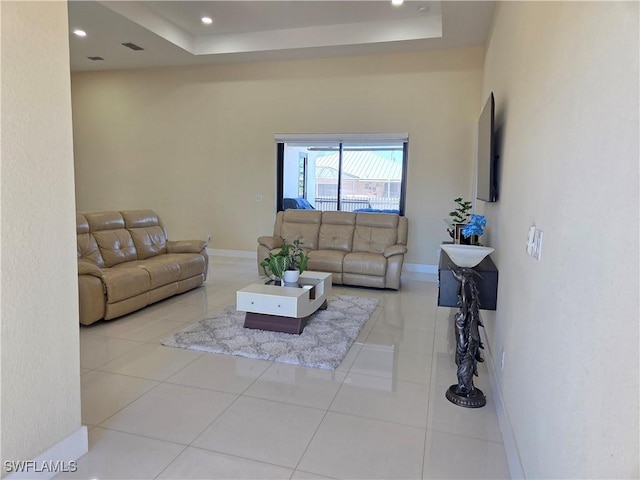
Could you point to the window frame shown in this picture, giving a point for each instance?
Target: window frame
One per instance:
(363, 140)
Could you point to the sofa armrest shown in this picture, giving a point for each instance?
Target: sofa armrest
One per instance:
(87, 268)
(271, 242)
(394, 250)
(186, 246)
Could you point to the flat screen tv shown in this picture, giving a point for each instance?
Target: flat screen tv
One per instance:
(487, 182)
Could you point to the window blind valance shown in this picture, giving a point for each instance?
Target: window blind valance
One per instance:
(328, 139)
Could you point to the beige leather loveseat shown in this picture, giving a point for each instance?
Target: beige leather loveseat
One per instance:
(365, 249)
(126, 262)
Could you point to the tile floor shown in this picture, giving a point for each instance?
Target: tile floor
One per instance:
(161, 412)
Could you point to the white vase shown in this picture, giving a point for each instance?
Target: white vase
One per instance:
(291, 276)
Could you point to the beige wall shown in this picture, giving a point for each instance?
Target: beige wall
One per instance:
(565, 77)
(197, 144)
(39, 360)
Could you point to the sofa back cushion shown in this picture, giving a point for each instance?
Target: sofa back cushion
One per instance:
(114, 241)
(336, 231)
(148, 234)
(303, 225)
(375, 231)
(86, 244)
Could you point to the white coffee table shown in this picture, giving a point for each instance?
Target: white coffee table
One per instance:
(284, 309)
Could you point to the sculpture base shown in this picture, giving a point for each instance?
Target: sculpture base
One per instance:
(475, 399)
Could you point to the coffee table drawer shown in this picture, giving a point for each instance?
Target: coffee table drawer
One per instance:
(291, 302)
(270, 304)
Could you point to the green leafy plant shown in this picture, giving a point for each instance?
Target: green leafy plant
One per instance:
(290, 257)
(275, 265)
(460, 214)
(297, 258)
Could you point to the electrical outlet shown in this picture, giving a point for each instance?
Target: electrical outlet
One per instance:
(258, 198)
(502, 360)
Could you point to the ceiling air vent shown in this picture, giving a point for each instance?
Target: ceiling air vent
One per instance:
(95, 58)
(132, 46)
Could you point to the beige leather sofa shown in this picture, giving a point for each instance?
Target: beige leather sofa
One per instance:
(365, 249)
(126, 262)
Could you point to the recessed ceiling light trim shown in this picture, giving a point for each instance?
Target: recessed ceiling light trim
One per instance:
(132, 46)
(206, 20)
(79, 32)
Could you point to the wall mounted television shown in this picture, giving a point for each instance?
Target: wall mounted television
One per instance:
(486, 165)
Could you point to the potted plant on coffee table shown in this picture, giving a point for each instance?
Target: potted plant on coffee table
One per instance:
(297, 260)
(287, 264)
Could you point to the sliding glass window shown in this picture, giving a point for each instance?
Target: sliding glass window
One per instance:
(352, 173)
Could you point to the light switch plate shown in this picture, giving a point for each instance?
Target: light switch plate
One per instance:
(530, 240)
(537, 244)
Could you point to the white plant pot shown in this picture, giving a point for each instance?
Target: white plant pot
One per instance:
(291, 276)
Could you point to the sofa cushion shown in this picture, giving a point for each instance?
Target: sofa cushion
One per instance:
(378, 220)
(87, 247)
(191, 264)
(125, 282)
(326, 260)
(114, 242)
(147, 232)
(160, 269)
(365, 263)
(116, 246)
(374, 232)
(302, 225)
(140, 218)
(336, 231)
(149, 241)
(104, 221)
(363, 280)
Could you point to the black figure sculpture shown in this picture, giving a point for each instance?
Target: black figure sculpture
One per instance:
(468, 344)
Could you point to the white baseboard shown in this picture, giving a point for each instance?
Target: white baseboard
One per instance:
(510, 445)
(406, 267)
(419, 268)
(59, 458)
(219, 252)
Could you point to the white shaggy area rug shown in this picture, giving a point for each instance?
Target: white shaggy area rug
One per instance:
(323, 343)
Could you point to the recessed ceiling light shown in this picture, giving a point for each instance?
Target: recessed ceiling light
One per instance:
(207, 20)
(132, 46)
(397, 3)
(80, 33)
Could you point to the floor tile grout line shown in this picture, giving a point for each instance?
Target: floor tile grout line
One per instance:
(466, 436)
(191, 444)
(99, 425)
(240, 457)
(172, 460)
(384, 301)
(119, 355)
(306, 448)
(433, 365)
(328, 408)
(159, 382)
(149, 437)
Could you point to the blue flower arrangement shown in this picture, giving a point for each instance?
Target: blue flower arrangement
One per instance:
(475, 226)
